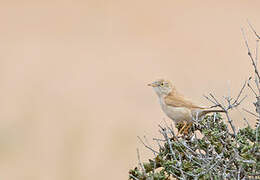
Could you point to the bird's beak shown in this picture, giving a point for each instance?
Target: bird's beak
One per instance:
(152, 84)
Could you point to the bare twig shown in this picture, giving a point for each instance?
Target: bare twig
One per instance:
(216, 101)
(250, 55)
(215, 104)
(248, 84)
(239, 94)
(168, 141)
(256, 62)
(140, 162)
(250, 112)
(145, 145)
(230, 106)
(252, 28)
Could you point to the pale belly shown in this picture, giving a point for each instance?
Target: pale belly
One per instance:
(177, 114)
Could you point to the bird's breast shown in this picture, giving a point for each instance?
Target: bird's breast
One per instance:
(177, 114)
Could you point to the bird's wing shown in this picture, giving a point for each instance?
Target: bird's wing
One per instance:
(180, 101)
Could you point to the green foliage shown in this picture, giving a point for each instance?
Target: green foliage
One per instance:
(214, 154)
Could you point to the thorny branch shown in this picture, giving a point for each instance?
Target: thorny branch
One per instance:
(250, 55)
(231, 103)
(253, 29)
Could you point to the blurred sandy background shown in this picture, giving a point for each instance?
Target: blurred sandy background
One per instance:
(73, 75)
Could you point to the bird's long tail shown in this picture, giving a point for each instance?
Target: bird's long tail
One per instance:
(206, 111)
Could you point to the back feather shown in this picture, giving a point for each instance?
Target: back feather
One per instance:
(176, 100)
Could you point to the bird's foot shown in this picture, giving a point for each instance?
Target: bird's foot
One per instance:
(186, 131)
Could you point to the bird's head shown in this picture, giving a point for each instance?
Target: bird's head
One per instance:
(162, 87)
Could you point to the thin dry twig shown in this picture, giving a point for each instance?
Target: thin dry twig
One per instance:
(239, 94)
(250, 55)
(249, 112)
(148, 147)
(140, 162)
(251, 88)
(252, 28)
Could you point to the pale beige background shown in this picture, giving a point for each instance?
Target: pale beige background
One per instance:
(73, 75)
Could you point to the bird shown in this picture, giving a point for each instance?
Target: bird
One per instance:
(177, 107)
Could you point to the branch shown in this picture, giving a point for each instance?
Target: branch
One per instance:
(250, 55)
(140, 163)
(252, 28)
(249, 112)
(145, 145)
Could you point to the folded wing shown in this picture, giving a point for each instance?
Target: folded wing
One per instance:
(177, 100)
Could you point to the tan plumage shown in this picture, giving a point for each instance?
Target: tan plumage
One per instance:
(176, 106)
(176, 100)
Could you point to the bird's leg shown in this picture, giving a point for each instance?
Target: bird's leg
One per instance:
(186, 130)
(182, 128)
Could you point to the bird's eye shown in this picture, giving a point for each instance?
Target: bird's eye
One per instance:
(162, 84)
